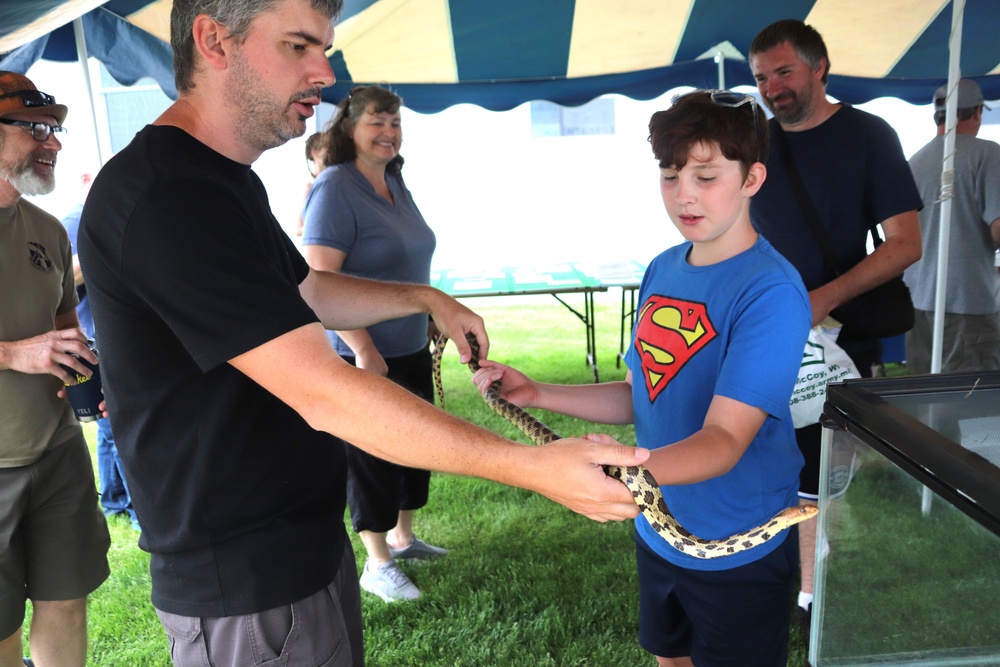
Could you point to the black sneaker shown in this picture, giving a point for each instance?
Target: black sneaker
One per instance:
(803, 619)
(28, 663)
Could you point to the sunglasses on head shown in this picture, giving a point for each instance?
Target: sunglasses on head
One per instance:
(31, 98)
(732, 99)
(728, 98)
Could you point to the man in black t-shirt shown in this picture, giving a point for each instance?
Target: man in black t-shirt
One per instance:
(854, 171)
(223, 390)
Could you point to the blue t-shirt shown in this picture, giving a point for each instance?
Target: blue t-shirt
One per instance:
(72, 224)
(382, 240)
(737, 329)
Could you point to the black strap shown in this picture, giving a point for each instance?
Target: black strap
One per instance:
(806, 203)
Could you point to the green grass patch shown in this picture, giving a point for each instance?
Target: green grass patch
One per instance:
(900, 582)
(527, 582)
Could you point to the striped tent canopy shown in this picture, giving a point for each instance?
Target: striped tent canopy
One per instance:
(497, 55)
(436, 53)
(131, 37)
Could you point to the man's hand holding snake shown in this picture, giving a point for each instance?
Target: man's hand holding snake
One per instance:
(522, 391)
(456, 321)
(570, 473)
(497, 381)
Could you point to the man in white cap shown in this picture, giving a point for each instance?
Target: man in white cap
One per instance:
(971, 322)
(53, 537)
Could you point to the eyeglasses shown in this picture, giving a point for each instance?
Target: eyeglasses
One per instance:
(728, 98)
(39, 131)
(31, 98)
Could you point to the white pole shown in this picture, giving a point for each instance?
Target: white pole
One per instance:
(947, 181)
(947, 192)
(720, 60)
(81, 54)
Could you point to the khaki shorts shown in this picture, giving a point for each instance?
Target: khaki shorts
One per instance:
(53, 537)
(323, 630)
(971, 343)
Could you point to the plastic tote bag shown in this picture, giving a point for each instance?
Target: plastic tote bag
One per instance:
(823, 361)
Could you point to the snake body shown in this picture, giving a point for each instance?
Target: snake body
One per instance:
(643, 486)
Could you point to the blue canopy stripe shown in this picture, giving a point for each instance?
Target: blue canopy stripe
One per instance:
(129, 52)
(499, 55)
(436, 53)
(18, 15)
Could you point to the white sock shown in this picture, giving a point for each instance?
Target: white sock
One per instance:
(805, 599)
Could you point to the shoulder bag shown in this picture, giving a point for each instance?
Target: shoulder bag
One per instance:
(881, 312)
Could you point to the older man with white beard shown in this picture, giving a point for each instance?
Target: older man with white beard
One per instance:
(53, 537)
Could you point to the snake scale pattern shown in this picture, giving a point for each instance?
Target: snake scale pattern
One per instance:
(645, 490)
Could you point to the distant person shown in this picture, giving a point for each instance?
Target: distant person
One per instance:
(971, 322)
(361, 220)
(853, 170)
(314, 162)
(53, 538)
(708, 386)
(227, 399)
(115, 498)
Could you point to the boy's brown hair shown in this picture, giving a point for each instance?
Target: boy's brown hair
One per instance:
(740, 132)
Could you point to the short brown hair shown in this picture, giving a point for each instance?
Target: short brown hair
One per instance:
(695, 118)
(805, 39)
(236, 15)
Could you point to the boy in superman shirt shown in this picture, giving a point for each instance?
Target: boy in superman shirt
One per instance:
(715, 353)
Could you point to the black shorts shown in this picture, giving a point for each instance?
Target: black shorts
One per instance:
(377, 489)
(736, 617)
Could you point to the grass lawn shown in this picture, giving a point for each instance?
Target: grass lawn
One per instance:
(527, 582)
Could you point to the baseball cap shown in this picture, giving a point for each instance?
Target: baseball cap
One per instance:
(18, 95)
(970, 95)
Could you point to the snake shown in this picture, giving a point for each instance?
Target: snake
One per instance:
(640, 482)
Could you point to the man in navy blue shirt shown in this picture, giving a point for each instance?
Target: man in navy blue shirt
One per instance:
(853, 169)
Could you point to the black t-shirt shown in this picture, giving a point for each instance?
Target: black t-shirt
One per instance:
(241, 502)
(855, 172)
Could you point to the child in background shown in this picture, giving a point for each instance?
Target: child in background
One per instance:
(715, 353)
(314, 163)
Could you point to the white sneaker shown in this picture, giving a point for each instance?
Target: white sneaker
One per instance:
(389, 583)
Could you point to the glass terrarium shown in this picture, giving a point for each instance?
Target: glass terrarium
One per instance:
(908, 560)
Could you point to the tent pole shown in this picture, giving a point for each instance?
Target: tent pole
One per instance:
(720, 60)
(947, 181)
(947, 193)
(81, 54)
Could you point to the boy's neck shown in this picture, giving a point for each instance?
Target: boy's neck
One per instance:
(740, 238)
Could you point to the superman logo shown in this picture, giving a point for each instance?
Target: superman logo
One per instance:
(668, 333)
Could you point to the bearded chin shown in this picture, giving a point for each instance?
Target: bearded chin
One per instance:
(27, 182)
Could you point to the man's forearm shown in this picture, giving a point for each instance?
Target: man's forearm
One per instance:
(5, 355)
(901, 248)
(388, 421)
(346, 302)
